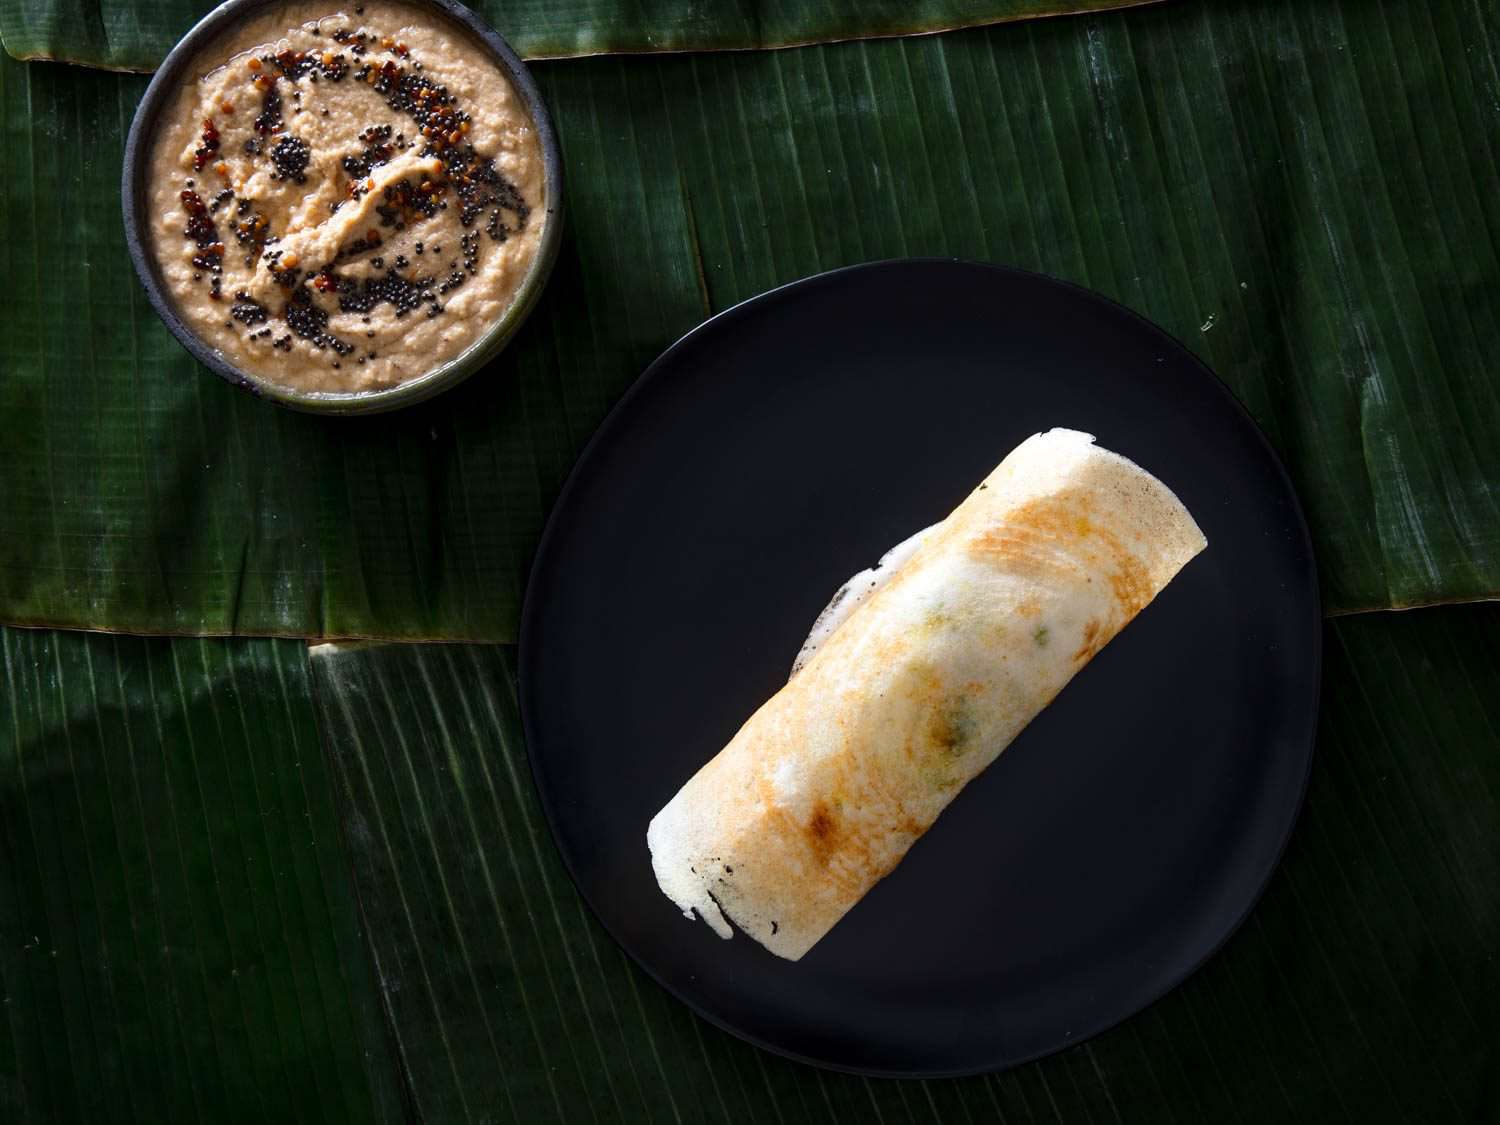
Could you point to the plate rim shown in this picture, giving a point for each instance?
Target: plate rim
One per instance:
(601, 435)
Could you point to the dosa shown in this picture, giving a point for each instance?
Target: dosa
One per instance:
(917, 676)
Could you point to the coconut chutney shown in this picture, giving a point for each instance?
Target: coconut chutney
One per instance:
(344, 199)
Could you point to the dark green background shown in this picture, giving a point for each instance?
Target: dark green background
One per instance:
(248, 879)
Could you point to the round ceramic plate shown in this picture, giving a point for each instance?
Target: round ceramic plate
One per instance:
(784, 445)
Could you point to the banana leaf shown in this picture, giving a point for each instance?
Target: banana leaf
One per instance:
(1300, 191)
(1365, 986)
(133, 36)
(178, 934)
(202, 915)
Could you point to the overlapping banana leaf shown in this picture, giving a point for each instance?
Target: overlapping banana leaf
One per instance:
(178, 934)
(1302, 192)
(1366, 985)
(121, 35)
(185, 931)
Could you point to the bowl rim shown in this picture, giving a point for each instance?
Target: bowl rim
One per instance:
(450, 372)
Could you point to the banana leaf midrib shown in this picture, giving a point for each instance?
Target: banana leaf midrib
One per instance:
(349, 641)
(619, 28)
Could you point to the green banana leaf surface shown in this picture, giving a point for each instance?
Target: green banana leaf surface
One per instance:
(242, 881)
(1300, 192)
(242, 878)
(1365, 985)
(178, 934)
(120, 35)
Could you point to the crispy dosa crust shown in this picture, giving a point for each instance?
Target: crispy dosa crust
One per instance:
(921, 687)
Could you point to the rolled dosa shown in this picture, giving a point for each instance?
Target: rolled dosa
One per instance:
(949, 650)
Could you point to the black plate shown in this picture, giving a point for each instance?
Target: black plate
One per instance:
(787, 443)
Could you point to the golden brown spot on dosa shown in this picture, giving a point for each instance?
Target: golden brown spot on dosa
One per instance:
(1049, 535)
(942, 733)
(845, 856)
(1093, 641)
(823, 831)
(1130, 582)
